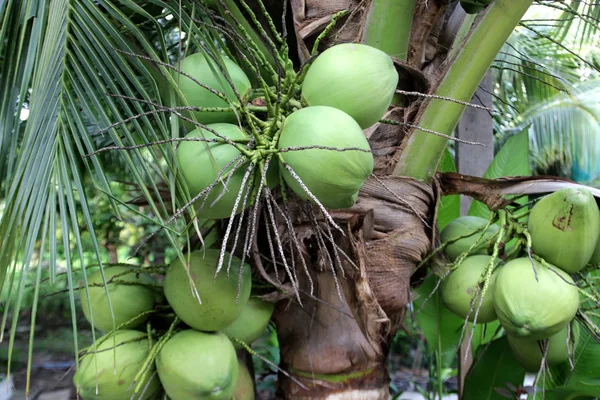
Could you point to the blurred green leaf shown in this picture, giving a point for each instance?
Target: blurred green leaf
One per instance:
(441, 328)
(584, 378)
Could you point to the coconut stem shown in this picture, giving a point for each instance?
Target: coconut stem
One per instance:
(388, 26)
(423, 152)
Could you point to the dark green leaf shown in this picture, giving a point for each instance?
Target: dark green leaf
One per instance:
(494, 367)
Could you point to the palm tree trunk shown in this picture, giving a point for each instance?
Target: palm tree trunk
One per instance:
(337, 342)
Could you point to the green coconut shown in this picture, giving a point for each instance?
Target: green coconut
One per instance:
(114, 368)
(458, 288)
(196, 365)
(201, 162)
(564, 228)
(355, 78)
(333, 177)
(206, 71)
(467, 225)
(244, 389)
(127, 300)
(252, 322)
(595, 260)
(529, 352)
(532, 308)
(220, 302)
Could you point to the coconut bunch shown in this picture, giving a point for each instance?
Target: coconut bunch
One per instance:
(210, 317)
(526, 269)
(258, 134)
(293, 140)
(250, 126)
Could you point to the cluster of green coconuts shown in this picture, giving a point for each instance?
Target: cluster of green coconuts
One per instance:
(535, 299)
(346, 89)
(198, 360)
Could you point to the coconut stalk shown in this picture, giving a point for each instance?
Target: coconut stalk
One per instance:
(423, 152)
(388, 26)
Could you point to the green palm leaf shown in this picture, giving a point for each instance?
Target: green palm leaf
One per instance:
(65, 51)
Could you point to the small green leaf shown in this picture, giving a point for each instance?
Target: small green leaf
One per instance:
(494, 367)
(511, 160)
(449, 208)
(584, 378)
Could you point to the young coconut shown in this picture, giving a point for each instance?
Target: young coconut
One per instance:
(196, 365)
(532, 308)
(458, 288)
(128, 296)
(251, 323)
(221, 304)
(334, 177)
(202, 162)
(112, 369)
(463, 226)
(355, 78)
(206, 71)
(595, 260)
(244, 388)
(561, 346)
(564, 228)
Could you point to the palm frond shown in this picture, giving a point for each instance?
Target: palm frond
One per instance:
(68, 59)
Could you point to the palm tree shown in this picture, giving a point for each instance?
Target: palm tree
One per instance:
(553, 96)
(97, 78)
